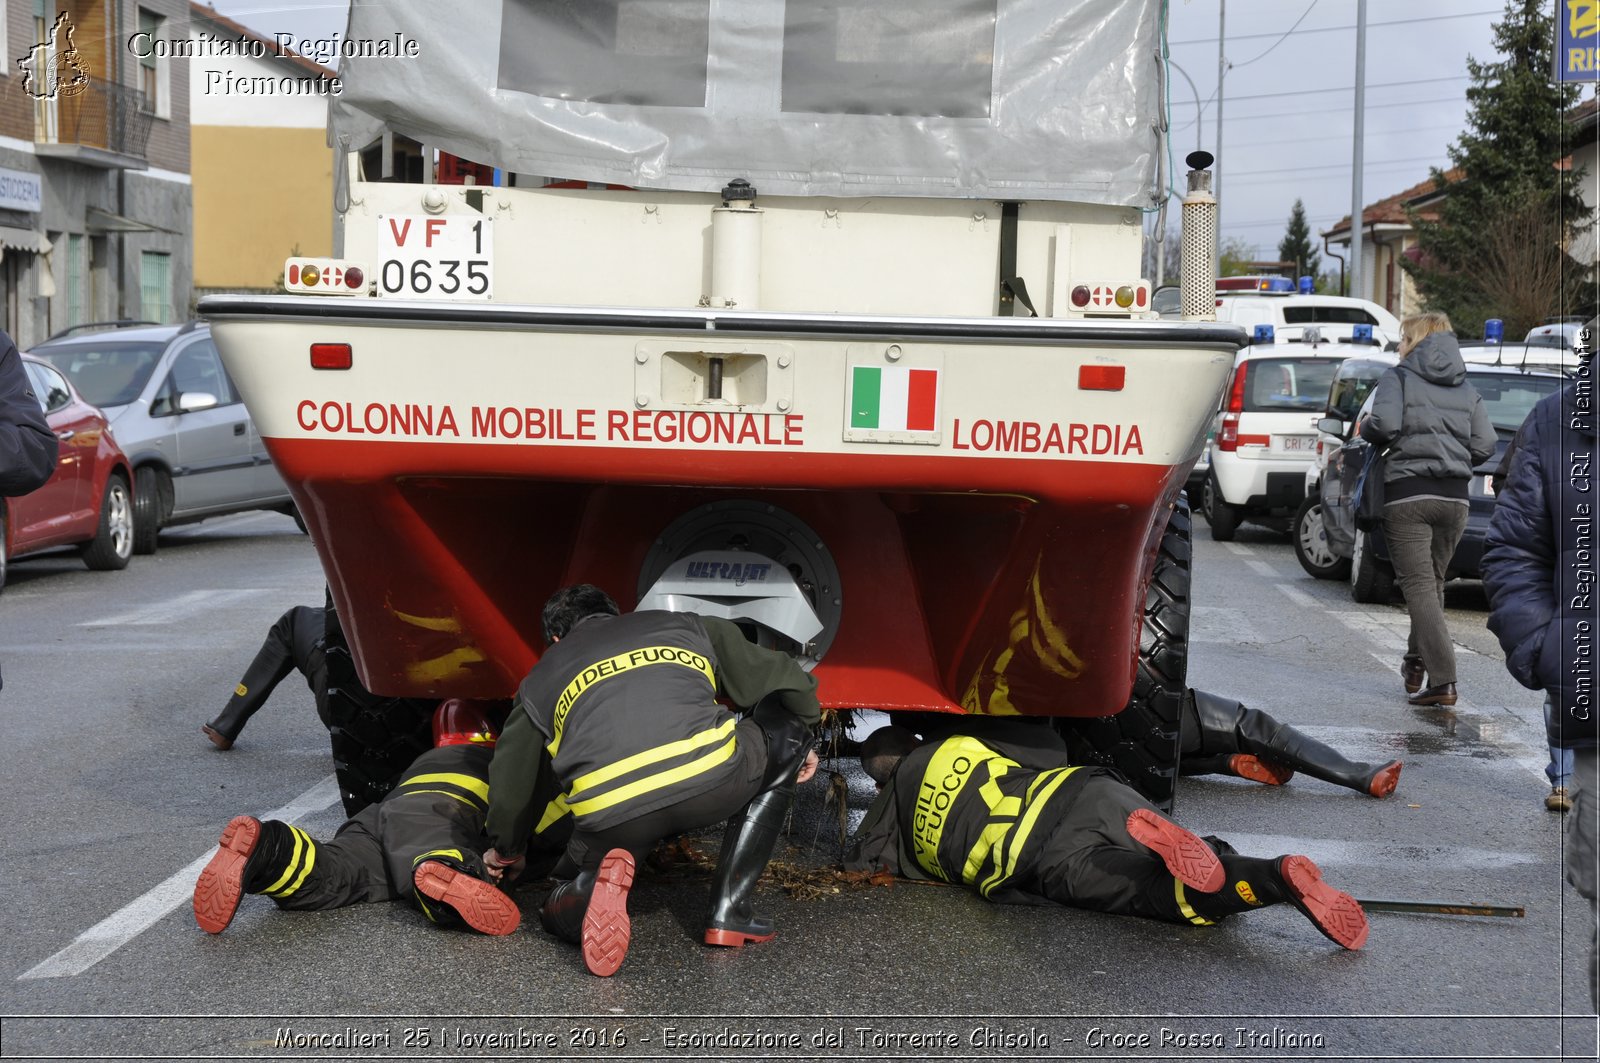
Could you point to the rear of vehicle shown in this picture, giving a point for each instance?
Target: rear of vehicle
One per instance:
(87, 501)
(1336, 317)
(900, 418)
(1266, 435)
(194, 448)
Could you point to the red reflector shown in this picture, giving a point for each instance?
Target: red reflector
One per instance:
(1139, 294)
(330, 356)
(1101, 377)
(294, 273)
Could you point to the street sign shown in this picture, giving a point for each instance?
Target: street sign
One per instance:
(1577, 35)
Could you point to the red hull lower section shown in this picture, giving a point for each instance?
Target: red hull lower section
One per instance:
(985, 584)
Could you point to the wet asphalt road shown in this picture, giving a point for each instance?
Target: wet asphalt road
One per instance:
(113, 799)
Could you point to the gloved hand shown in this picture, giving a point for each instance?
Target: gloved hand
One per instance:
(497, 866)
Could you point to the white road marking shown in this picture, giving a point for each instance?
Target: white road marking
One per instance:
(1385, 634)
(1238, 548)
(1263, 568)
(183, 607)
(1297, 596)
(123, 925)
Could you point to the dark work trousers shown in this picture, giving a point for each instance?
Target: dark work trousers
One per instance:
(1091, 861)
(375, 854)
(639, 835)
(1422, 535)
(295, 642)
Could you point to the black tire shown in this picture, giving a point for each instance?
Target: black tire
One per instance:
(1311, 543)
(299, 521)
(374, 738)
(1142, 740)
(112, 544)
(1223, 518)
(1371, 580)
(151, 492)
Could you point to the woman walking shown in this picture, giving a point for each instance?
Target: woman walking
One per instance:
(1436, 428)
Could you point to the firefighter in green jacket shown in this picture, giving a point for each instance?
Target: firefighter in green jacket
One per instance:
(421, 843)
(1019, 825)
(626, 708)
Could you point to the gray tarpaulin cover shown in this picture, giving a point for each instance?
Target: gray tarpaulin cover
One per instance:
(1009, 99)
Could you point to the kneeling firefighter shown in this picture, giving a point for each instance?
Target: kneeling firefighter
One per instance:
(625, 707)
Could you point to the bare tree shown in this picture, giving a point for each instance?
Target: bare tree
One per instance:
(1522, 267)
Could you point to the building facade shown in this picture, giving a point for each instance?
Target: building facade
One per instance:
(263, 171)
(96, 205)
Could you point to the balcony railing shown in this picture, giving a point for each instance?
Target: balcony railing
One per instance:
(103, 119)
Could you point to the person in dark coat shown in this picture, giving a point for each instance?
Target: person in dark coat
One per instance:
(423, 843)
(28, 448)
(1018, 824)
(1539, 568)
(1436, 429)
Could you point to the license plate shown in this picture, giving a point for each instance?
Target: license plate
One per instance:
(440, 257)
(1297, 443)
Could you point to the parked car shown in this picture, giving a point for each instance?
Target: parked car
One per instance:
(1509, 393)
(1353, 381)
(1522, 354)
(1266, 432)
(87, 501)
(194, 450)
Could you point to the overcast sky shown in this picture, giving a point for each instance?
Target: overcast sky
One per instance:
(1288, 103)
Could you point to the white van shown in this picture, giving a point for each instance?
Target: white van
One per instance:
(1335, 315)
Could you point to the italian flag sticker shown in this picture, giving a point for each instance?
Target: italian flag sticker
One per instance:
(894, 398)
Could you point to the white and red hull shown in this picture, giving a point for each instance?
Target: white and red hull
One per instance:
(473, 458)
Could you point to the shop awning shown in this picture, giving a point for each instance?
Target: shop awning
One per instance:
(103, 221)
(30, 241)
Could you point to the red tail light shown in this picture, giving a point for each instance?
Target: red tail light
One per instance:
(1228, 434)
(330, 356)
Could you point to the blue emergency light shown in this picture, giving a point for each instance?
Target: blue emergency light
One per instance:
(1361, 334)
(1307, 285)
(1263, 334)
(1494, 330)
(1275, 284)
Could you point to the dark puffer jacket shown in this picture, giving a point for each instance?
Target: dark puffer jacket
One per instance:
(1539, 562)
(1440, 430)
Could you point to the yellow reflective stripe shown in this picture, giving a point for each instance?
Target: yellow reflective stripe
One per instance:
(311, 861)
(470, 783)
(652, 756)
(444, 793)
(553, 813)
(1002, 817)
(294, 861)
(1183, 905)
(1039, 794)
(622, 662)
(454, 854)
(948, 771)
(655, 782)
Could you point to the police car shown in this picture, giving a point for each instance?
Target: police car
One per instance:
(1266, 434)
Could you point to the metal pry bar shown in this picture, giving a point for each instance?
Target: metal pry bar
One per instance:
(1443, 908)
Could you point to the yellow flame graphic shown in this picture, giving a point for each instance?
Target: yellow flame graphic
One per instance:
(1583, 18)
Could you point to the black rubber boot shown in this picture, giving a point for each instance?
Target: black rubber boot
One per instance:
(562, 912)
(752, 835)
(1254, 883)
(1227, 726)
(271, 665)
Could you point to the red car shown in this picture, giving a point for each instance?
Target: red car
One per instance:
(88, 501)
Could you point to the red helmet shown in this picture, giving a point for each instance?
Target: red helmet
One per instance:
(459, 722)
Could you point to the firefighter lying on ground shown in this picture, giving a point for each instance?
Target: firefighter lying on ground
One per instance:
(293, 643)
(1019, 825)
(624, 704)
(421, 843)
(1221, 736)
